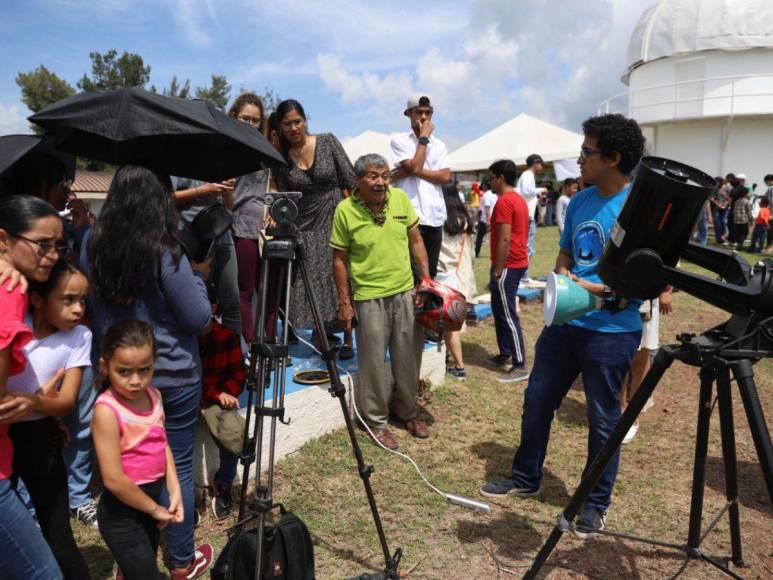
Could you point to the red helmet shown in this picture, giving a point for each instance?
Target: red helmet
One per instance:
(444, 308)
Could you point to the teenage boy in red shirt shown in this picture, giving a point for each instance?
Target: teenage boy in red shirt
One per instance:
(509, 262)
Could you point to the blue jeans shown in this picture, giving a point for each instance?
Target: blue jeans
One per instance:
(24, 553)
(506, 322)
(718, 216)
(77, 454)
(181, 407)
(759, 235)
(531, 242)
(702, 228)
(561, 353)
(226, 473)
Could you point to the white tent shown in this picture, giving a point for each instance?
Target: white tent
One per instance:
(516, 140)
(368, 142)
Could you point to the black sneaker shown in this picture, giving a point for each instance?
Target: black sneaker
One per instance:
(591, 521)
(513, 375)
(222, 503)
(500, 361)
(457, 373)
(86, 513)
(507, 487)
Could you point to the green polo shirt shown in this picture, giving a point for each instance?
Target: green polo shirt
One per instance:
(379, 256)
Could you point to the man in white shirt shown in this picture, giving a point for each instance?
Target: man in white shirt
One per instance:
(528, 189)
(421, 169)
(571, 186)
(487, 201)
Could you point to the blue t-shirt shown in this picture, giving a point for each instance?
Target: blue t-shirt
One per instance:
(589, 218)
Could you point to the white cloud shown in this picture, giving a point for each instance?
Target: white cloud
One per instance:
(550, 58)
(13, 120)
(196, 19)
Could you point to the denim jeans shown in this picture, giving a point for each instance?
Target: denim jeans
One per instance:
(77, 454)
(24, 553)
(226, 473)
(702, 228)
(181, 407)
(504, 296)
(561, 353)
(718, 216)
(531, 242)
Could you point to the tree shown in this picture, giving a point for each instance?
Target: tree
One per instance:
(217, 93)
(41, 87)
(175, 90)
(109, 73)
(270, 100)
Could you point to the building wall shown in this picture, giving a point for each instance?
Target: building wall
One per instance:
(702, 98)
(748, 148)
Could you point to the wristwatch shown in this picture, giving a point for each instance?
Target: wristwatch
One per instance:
(423, 140)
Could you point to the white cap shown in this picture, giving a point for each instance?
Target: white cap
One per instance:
(740, 176)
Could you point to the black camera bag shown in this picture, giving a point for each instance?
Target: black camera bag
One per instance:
(288, 553)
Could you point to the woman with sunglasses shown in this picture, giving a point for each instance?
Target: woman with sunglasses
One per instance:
(318, 167)
(30, 245)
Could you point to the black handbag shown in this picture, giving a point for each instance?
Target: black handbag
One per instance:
(288, 553)
(199, 237)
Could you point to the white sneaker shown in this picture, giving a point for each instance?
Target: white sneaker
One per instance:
(631, 433)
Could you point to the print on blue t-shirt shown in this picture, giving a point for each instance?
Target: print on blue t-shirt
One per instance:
(589, 218)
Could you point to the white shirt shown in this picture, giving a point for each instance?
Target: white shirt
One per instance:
(529, 190)
(61, 350)
(561, 205)
(487, 203)
(426, 197)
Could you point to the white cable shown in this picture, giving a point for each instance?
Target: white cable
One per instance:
(452, 498)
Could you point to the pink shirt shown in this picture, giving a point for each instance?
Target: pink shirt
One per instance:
(143, 438)
(15, 334)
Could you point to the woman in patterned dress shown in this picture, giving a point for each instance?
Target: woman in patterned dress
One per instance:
(318, 167)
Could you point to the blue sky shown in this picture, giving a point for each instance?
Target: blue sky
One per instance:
(351, 63)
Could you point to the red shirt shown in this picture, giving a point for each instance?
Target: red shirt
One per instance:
(13, 335)
(221, 364)
(763, 218)
(511, 209)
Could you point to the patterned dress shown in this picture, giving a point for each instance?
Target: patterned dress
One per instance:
(321, 186)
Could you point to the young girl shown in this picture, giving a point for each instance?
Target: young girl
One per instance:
(30, 240)
(59, 342)
(135, 460)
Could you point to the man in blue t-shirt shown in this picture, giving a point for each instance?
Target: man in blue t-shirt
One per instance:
(600, 345)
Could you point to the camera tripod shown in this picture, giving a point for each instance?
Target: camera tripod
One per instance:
(281, 254)
(718, 354)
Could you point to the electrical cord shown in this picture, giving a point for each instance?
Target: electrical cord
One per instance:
(450, 497)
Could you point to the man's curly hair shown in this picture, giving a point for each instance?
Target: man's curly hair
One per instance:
(617, 134)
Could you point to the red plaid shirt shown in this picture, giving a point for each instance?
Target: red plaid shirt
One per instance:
(221, 363)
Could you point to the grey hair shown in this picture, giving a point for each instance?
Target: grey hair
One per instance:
(369, 160)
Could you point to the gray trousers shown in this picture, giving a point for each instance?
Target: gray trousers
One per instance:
(388, 323)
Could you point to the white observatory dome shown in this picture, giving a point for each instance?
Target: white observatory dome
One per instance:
(676, 27)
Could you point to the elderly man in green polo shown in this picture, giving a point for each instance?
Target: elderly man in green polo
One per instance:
(375, 233)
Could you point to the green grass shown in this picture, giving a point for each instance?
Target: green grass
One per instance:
(475, 429)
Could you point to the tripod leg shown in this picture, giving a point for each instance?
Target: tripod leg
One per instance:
(699, 465)
(338, 390)
(728, 454)
(744, 376)
(663, 360)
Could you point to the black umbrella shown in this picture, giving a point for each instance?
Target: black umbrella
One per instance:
(14, 148)
(189, 138)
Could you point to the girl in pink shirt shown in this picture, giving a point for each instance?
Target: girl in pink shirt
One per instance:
(134, 457)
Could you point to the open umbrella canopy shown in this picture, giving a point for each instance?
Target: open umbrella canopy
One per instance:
(188, 138)
(14, 148)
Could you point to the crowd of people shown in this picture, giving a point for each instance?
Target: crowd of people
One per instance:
(113, 338)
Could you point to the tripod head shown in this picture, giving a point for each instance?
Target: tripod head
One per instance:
(283, 209)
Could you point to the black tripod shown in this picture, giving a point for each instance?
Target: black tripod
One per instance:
(718, 355)
(280, 254)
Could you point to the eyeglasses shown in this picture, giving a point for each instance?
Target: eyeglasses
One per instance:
(47, 248)
(586, 152)
(254, 121)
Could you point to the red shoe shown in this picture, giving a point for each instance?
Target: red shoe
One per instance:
(201, 562)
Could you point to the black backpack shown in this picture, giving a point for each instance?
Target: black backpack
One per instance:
(287, 548)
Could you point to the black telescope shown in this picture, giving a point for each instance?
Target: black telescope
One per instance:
(651, 234)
